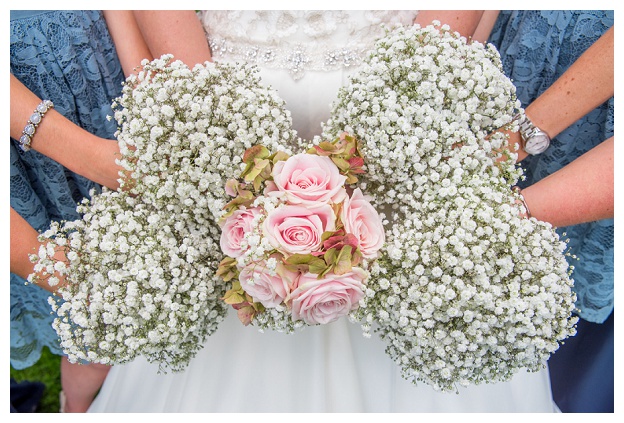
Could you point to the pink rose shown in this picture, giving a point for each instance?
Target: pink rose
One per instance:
(270, 290)
(308, 179)
(320, 301)
(361, 219)
(298, 230)
(233, 232)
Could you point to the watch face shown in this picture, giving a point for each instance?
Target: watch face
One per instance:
(537, 144)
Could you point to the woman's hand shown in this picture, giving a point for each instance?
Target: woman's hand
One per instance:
(24, 241)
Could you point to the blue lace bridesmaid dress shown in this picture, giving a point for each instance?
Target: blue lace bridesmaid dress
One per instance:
(536, 48)
(69, 58)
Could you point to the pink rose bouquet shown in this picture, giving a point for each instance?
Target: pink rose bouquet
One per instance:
(298, 241)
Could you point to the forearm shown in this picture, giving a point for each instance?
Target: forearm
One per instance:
(582, 191)
(486, 23)
(177, 32)
(129, 42)
(587, 84)
(584, 86)
(63, 141)
(463, 21)
(23, 242)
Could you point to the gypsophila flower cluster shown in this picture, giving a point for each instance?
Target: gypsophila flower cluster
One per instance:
(141, 278)
(422, 93)
(297, 243)
(466, 291)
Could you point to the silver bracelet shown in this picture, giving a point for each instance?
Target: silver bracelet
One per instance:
(31, 126)
(517, 190)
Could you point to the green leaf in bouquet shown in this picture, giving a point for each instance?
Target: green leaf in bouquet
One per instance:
(227, 269)
(342, 263)
(305, 263)
(356, 257)
(245, 198)
(356, 165)
(351, 179)
(342, 164)
(254, 169)
(232, 297)
(331, 255)
(236, 295)
(234, 187)
(328, 234)
(297, 259)
(320, 268)
(280, 156)
(326, 148)
(259, 172)
(257, 151)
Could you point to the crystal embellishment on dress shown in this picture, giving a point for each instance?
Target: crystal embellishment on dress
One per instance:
(298, 41)
(295, 59)
(343, 57)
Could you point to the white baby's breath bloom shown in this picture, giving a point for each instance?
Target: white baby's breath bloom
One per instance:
(142, 257)
(458, 257)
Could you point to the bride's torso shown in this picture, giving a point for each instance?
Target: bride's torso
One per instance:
(305, 55)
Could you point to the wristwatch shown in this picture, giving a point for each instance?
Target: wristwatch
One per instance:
(534, 140)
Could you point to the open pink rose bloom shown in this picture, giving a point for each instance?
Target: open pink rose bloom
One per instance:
(322, 301)
(309, 180)
(297, 229)
(361, 219)
(234, 230)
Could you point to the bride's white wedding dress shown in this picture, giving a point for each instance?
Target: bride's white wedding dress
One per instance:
(332, 368)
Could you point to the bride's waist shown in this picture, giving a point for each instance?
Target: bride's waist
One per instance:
(293, 57)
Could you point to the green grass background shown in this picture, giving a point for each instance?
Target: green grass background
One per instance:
(48, 371)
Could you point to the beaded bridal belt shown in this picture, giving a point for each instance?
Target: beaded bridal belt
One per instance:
(295, 58)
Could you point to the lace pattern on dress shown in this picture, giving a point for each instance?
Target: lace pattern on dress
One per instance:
(69, 57)
(298, 41)
(536, 48)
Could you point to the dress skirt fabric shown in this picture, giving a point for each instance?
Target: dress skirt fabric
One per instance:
(321, 369)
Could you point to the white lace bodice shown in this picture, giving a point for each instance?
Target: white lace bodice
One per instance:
(297, 40)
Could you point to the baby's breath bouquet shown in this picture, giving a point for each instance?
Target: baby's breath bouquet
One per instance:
(141, 274)
(466, 291)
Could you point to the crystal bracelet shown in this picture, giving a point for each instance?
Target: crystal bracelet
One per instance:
(517, 190)
(31, 126)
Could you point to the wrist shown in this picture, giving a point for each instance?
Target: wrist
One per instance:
(32, 124)
(521, 200)
(533, 138)
(515, 145)
(104, 154)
